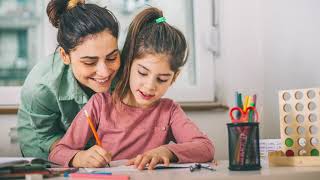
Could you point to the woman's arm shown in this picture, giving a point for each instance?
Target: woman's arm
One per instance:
(40, 112)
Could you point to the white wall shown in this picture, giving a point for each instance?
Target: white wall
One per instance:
(266, 46)
(7, 146)
(291, 53)
(239, 66)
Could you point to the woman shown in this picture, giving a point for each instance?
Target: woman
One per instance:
(85, 62)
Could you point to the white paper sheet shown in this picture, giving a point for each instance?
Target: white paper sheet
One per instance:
(120, 166)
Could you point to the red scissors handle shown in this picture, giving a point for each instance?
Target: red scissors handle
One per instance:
(243, 114)
(237, 110)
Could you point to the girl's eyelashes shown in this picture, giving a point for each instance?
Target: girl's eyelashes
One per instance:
(142, 74)
(158, 79)
(162, 80)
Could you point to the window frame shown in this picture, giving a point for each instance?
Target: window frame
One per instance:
(204, 90)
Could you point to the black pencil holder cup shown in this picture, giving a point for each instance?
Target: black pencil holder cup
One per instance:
(243, 142)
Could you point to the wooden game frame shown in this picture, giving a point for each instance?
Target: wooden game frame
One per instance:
(299, 113)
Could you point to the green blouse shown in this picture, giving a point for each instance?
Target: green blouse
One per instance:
(50, 99)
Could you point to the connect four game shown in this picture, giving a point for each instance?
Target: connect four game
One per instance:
(299, 111)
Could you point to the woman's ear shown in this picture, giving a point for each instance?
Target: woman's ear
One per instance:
(175, 76)
(64, 56)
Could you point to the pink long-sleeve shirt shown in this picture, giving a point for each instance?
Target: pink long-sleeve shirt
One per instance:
(132, 131)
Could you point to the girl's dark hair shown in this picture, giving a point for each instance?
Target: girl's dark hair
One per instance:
(146, 36)
(76, 20)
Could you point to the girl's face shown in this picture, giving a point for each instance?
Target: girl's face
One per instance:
(150, 78)
(95, 61)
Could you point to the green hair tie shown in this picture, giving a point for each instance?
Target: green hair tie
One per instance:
(160, 20)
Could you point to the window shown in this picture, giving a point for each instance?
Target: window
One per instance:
(197, 81)
(23, 43)
(20, 27)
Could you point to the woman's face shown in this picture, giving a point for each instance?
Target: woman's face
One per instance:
(95, 61)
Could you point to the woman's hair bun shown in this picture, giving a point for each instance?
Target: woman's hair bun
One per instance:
(74, 3)
(56, 8)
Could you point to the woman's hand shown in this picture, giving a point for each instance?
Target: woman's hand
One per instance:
(94, 157)
(160, 155)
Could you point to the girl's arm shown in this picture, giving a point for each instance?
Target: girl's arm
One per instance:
(78, 133)
(191, 144)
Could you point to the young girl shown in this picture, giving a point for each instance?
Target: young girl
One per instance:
(135, 123)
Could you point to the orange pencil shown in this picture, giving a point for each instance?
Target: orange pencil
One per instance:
(92, 128)
(95, 134)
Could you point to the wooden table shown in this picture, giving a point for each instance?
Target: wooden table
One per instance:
(222, 172)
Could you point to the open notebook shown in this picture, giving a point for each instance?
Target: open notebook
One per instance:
(13, 161)
(120, 166)
(18, 167)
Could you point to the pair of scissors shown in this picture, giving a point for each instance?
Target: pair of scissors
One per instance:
(243, 115)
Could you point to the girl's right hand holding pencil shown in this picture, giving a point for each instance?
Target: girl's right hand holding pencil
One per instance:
(94, 157)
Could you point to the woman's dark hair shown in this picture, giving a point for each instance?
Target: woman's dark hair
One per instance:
(146, 36)
(76, 20)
